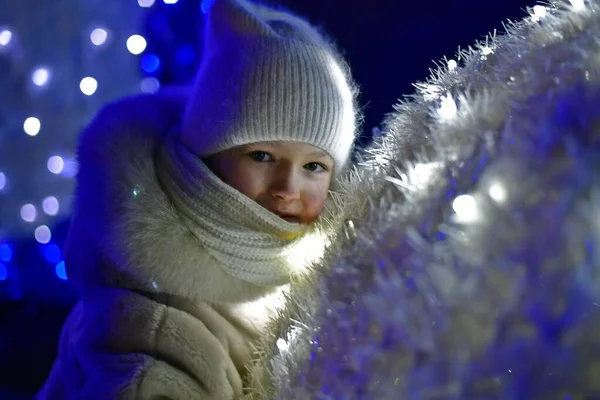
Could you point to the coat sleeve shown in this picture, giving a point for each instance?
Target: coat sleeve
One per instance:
(119, 344)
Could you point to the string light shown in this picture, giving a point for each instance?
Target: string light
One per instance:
(98, 36)
(447, 108)
(282, 345)
(88, 86)
(24, 216)
(539, 12)
(577, 4)
(5, 37)
(28, 213)
(486, 51)
(5, 252)
(56, 164)
(50, 205)
(145, 3)
(452, 64)
(40, 76)
(150, 63)
(32, 126)
(497, 192)
(465, 208)
(150, 85)
(42, 234)
(136, 44)
(52, 253)
(170, 1)
(61, 270)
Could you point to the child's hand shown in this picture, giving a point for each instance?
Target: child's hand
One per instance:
(130, 346)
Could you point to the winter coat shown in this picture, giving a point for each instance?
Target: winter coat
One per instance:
(157, 317)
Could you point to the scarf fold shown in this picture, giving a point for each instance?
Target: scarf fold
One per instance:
(248, 241)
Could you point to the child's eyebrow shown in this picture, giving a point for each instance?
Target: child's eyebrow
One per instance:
(318, 153)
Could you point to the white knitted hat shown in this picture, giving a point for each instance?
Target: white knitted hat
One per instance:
(268, 75)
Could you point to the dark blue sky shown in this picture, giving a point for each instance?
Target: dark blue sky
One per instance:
(391, 44)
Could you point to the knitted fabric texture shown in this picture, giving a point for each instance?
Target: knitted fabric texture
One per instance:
(267, 75)
(249, 241)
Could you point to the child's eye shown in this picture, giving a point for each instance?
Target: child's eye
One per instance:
(315, 167)
(260, 156)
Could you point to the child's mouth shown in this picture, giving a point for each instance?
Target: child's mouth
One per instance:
(290, 218)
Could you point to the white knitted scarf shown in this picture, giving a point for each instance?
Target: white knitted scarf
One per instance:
(247, 240)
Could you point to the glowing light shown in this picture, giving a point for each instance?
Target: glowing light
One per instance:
(5, 253)
(3, 272)
(498, 193)
(486, 51)
(539, 11)
(88, 86)
(150, 63)
(136, 44)
(28, 212)
(422, 173)
(282, 345)
(307, 250)
(50, 205)
(40, 76)
(465, 207)
(5, 37)
(2, 180)
(52, 253)
(32, 126)
(55, 164)
(448, 107)
(170, 1)
(150, 85)
(42, 234)
(146, 3)
(452, 64)
(98, 36)
(577, 4)
(61, 271)
(205, 5)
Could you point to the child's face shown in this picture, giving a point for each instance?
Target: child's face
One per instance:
(287, 178)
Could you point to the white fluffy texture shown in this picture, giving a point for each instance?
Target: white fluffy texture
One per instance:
(158, 315)
(268, 75)
(495, 295)
(125, 231)
(250, 242)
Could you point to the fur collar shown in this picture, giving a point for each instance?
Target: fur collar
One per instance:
(125, 230)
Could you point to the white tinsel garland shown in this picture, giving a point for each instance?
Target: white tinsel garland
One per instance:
(469, 265)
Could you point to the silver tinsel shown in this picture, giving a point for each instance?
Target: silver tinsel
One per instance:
(467, 265)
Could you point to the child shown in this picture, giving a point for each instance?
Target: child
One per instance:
(187, 226)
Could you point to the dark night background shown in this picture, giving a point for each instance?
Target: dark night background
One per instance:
(390, 44)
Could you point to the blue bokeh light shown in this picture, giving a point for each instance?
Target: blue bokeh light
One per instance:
(205, 5)
(61, 270)
(52, 253)
(3, 272)
(150, 63)
(6, 253)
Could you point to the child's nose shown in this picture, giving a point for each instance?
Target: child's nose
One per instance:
(285, 186)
